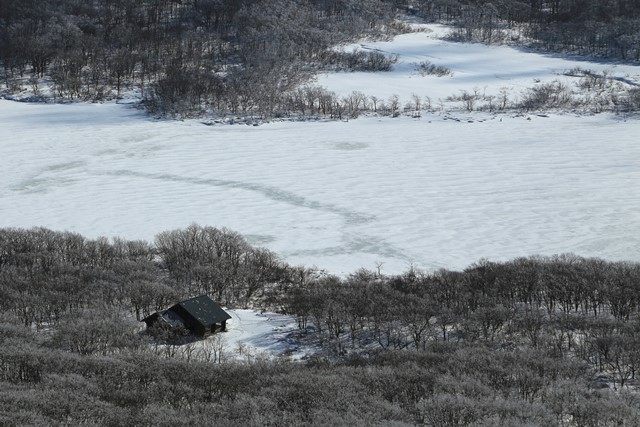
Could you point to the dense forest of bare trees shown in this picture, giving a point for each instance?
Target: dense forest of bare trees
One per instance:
(182, 56)
(536, 341)
(605, 28)
(253, 58)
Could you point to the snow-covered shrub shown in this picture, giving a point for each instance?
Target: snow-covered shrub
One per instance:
(359, 60)
(595, 82)
(469, 100)
(426, 68)
(577, 72)
(547, 95)
(631, 101)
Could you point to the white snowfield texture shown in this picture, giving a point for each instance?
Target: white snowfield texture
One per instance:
(430, 192)
(474, 66)
(253, 334)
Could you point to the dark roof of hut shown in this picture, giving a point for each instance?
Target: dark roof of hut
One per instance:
(204, 310)
(172, 318)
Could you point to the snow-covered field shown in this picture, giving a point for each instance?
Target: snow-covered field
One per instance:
(433, 192)
(250, 335)
(487, 69)
(253, 334)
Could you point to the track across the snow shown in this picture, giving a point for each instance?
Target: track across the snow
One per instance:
(436, 191)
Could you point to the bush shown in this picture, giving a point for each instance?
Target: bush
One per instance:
(358, 60)
(426, 68)
(631, 100)
(547, 96)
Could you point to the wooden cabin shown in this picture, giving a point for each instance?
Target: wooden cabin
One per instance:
(199, 315)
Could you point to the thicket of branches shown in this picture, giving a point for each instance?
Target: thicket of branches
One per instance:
(48, 276)
(568, 306)
(250, 58)
(538, 340)
(184, 56)
(608, 29)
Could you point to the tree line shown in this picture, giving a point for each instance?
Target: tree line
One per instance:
(443, 385)
(573, 307)
(254, 58)
(609, 29)
(181, 56)
(46, 276)
(536, 340)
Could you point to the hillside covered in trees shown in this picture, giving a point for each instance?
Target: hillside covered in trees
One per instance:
(535, 341)
(248, 57)
(609, 28)
(235, 55)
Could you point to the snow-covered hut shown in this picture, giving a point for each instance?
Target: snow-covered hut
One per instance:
(199, 315)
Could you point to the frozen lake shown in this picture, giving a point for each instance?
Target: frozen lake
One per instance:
(429, 191)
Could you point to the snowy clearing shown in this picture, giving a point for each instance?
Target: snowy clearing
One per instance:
(474, 66)
(432, 192)
(437, 191)
(252, 334)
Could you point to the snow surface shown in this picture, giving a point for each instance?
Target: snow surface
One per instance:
(433, 192)
(254, 334)
(474, 66)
